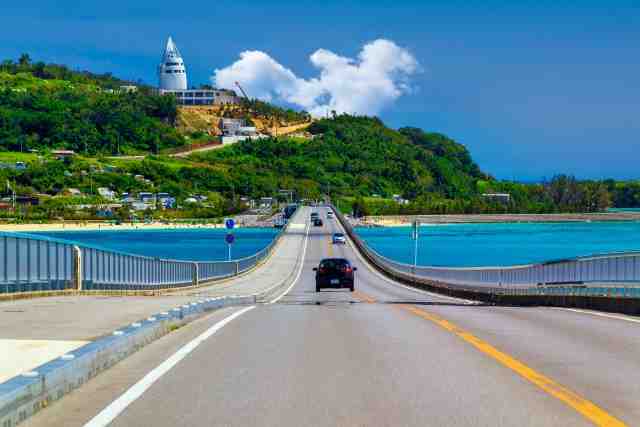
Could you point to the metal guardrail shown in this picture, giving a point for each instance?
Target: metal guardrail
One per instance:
(31, 263)
(608, 275)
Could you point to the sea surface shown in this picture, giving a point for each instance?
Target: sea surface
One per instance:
(623, 210)
(196, 245)
(474, 245)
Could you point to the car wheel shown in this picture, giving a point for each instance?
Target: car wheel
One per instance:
(317, 288)
(351, 288)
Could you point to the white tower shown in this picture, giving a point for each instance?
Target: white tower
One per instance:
(172, 74)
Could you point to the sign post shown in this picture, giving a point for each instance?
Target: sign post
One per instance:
(415, 235)
(229, 238)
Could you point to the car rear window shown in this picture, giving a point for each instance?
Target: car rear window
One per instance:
(334, 263)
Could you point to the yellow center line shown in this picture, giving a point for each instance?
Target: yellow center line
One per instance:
(585, 407)
(364, 297)
(329, 246)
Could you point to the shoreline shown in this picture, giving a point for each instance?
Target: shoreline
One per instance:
(407, 220)
(81, 226)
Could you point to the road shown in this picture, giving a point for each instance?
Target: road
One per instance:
(385, 355)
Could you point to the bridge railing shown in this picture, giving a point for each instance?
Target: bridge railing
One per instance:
(616, 274)
(31, 263)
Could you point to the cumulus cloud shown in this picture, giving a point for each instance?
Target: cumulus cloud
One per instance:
(364, 85)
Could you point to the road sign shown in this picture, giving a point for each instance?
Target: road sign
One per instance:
(229, 238)
(229, 223)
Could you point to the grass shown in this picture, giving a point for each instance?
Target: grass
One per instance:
(12, 157)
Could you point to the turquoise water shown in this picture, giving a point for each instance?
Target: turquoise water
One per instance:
(637, 210)
(470, 245)
(197, 245)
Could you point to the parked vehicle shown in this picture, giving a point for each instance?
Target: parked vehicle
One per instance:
(337, 273)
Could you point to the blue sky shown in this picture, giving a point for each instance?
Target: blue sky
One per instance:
(531, 88)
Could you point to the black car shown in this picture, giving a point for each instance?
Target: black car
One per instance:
(314, 215)
(317, 222)
(334, 273)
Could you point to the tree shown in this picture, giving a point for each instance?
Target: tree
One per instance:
(25, 60)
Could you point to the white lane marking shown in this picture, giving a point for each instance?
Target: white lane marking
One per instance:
(386, 279)
(595, 313)
(304, 254)
(116, 407)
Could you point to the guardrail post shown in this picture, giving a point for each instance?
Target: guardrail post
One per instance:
(195, 274)
(77, 268)
(237, 268)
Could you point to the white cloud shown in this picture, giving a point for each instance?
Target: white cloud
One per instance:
(365, 85)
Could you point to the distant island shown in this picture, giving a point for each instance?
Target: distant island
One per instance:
(78, 145)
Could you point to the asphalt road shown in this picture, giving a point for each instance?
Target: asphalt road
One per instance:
(385, 355)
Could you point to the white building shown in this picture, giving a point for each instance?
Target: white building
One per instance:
(172, 74)
(107, 193)
(172, 79)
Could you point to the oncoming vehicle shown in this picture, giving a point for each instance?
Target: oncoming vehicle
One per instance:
(338, 238)
(289, 210)
(336, 273)
(317, 222)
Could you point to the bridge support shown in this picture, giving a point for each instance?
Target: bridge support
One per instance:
(195, 274)
(76, 279)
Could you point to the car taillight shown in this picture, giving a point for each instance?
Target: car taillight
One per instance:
(347, 269)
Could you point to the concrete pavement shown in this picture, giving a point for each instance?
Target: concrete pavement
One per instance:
(383, 355)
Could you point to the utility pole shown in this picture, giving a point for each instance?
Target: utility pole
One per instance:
(415, 235)
(13, 194)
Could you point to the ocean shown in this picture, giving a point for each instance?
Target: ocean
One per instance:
(183, 244)
(476, 245)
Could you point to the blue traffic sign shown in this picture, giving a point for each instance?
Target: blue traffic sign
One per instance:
(229, 238)
(230, 223)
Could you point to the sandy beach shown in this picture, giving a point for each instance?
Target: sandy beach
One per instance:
(407, 220)
(95, 226)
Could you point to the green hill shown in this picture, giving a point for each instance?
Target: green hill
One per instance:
(49, 106)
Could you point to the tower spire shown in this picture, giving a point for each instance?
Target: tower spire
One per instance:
(172, 74)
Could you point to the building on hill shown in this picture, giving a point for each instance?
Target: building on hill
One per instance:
(172, 80)
(236, 130)
(172, 74)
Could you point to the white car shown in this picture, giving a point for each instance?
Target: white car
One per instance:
(339, 238)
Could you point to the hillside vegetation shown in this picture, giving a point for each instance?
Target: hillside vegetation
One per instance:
(359, 157)
(49, 106)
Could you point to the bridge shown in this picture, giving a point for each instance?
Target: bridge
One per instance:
(252, 343)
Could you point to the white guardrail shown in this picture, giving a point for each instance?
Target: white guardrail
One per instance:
(616, 274)
(31, 263)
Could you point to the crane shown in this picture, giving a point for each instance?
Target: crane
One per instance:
(274, 123)
(242, 90)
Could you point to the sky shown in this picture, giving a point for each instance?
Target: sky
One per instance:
(532, 89)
